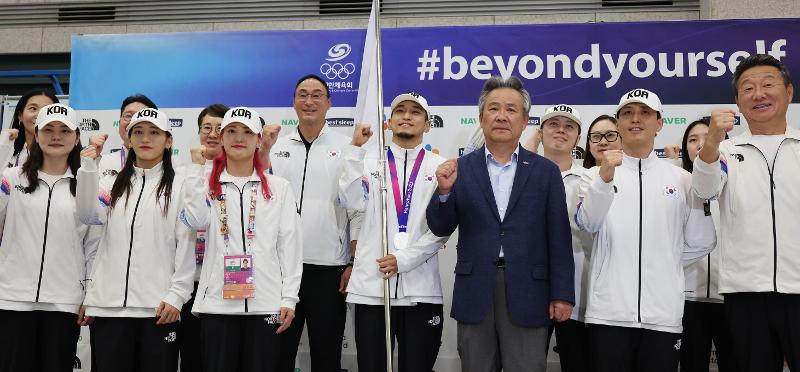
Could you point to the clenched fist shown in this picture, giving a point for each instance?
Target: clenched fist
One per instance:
(12, 133)
(198, 155)
(446, 175)
(269, 136)
(672, 151)
(98, 140)
(361, 134)
(722, 122)
(95, 147)
(532, 144)
(611, 160)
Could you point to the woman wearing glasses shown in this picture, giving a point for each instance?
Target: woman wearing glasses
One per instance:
(603, 136)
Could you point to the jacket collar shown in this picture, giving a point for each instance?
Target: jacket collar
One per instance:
(67, 174)
(576, 170)
(746, 137)
(400, 152)
(295, 133)
(155, 171)
(630, 161)
(488, 155)
(226, 177)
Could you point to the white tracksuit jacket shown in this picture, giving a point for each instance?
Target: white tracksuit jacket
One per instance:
(145, 256)
(276, 247)
(46, 251)
(418, 264)
(646, 224)
(315, 184)
(759, 215)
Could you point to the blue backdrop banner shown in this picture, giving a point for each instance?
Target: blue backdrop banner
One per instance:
(685, 62)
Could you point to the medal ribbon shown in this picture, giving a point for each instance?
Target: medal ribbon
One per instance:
(403, 206)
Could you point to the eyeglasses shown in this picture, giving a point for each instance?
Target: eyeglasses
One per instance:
(206, 129)
(610, 136)
(316, 97)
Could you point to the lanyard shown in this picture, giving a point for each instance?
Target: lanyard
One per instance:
(251, 222)
(403, 206)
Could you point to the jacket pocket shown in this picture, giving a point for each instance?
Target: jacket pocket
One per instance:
(463, 268)
(213, 290)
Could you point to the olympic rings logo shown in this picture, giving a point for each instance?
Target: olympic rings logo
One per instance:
(337, 70)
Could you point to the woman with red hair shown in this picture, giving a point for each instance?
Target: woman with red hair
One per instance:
(251, 273)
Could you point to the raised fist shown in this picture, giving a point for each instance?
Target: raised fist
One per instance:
(446, 175)
(361, 134)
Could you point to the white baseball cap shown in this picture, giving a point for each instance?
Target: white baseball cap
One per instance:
(566, 111)
(156, 117)
(243, 115)
(57, 112)
(411, 96)
(644, 96)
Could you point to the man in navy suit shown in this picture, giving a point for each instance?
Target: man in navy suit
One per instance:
(514, 272)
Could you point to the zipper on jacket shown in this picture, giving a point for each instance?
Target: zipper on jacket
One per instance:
(130, 248)
(639, 300)
(771, 171)
(303, 183)
(244, 237)
(44, 243)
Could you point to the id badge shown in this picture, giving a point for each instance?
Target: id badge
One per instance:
(199, 246)
(239, 281)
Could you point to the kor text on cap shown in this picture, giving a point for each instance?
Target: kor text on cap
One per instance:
(638, 93)
(563, 108)
(56, 110)
(150, 113)
(241, 113)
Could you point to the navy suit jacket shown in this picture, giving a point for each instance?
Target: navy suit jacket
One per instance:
(535, 236)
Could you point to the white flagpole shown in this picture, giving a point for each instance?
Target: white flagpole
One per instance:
(387, 309)
(369, 109)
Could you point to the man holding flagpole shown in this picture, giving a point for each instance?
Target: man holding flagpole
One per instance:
(412, 266)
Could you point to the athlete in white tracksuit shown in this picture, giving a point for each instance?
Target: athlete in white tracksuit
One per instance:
(646, 224)
(253, 260)
(144, 266)
(755, 176)
(412, 265)
(46, 251)
(311, 158)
